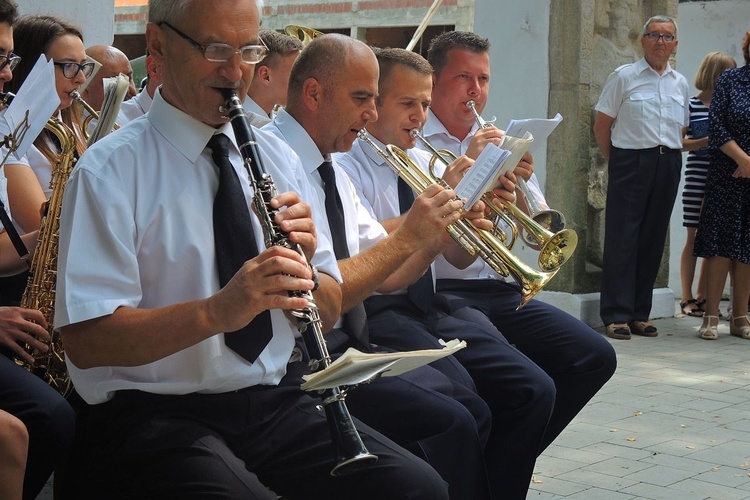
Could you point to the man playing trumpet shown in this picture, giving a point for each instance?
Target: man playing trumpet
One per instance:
(402, 86)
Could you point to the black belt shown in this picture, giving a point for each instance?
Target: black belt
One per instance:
(663, 150)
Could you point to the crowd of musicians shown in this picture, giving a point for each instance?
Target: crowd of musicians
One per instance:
(180, 312)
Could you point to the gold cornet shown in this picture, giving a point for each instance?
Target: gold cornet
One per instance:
(302, 33)
(473, 240)
(543, 229)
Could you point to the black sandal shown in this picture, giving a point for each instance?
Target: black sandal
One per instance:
(692, 308)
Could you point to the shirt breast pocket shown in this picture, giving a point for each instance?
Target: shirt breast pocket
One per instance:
(642, 106)
(676, 106)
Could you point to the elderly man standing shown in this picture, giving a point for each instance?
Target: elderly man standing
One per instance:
(641, 117)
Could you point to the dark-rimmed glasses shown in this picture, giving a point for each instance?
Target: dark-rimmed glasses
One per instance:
(70, 69)
(654, 37)
(222, 52)
(11, 60)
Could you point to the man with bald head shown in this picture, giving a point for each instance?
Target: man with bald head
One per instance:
(113, 62)
(332, 94)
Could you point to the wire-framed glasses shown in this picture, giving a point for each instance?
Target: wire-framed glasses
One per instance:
(654, 37)
(222, 52)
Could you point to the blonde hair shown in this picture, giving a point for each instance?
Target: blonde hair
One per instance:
(745, 51)
(712, 65)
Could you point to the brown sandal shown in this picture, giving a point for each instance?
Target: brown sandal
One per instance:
(643, 328)
(618, 331)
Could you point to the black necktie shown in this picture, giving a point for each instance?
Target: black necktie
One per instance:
(354, 322)
(235, 244)
(421, 291)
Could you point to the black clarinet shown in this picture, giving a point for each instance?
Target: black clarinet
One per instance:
(350, 453)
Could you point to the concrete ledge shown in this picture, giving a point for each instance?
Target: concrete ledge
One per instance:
(586, 306)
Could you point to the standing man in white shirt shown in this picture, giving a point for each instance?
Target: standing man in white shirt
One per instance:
(641, 118)
(152, 318)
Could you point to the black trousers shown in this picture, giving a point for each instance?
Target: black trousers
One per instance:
(577, 359)
(434, 417)
(255, 443)
(49, 419)
(642, 188)
(520, 394)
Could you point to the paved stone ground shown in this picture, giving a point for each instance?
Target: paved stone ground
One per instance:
(673, 423)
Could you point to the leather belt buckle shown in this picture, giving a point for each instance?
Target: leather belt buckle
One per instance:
(664, 150)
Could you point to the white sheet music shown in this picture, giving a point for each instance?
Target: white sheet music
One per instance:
(355, 367)
(540, 128)
(27, 111)
(483, 175)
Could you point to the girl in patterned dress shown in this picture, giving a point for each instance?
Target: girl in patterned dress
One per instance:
(696, 143)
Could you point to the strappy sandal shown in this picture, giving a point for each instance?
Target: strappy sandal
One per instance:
(618, 331)
(643, 328)
(691, 308)
(708, 331)
(743, 331)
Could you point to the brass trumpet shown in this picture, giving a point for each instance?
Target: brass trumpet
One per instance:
(302, 33)
(544, 229)
(473, 240)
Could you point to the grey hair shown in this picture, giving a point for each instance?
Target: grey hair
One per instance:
(660, 19)
(173, 10)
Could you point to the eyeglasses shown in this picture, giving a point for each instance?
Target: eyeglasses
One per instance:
(221, 52)
(11, 60)
(654, 37)
(70, 69)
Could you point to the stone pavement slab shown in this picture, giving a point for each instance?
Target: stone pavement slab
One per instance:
(672, 423)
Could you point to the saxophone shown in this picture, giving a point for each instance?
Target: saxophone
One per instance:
(40, 289)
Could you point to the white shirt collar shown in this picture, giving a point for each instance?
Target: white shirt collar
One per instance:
(192, 136)
(300, 141)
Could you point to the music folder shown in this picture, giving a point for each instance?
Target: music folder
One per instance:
(355, 367)
(492, 163)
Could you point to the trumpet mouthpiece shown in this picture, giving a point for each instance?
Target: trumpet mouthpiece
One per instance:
(414, 133)
(470, 104)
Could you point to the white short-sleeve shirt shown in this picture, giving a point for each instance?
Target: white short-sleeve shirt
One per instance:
(137, 230)
(649, 109)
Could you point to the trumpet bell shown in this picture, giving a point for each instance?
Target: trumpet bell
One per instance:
(558, 249)
(551, 220)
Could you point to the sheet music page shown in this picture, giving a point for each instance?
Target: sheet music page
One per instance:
(115, 88)
(482, 176)
(355, 367)
(540, 128)
(27, 110)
